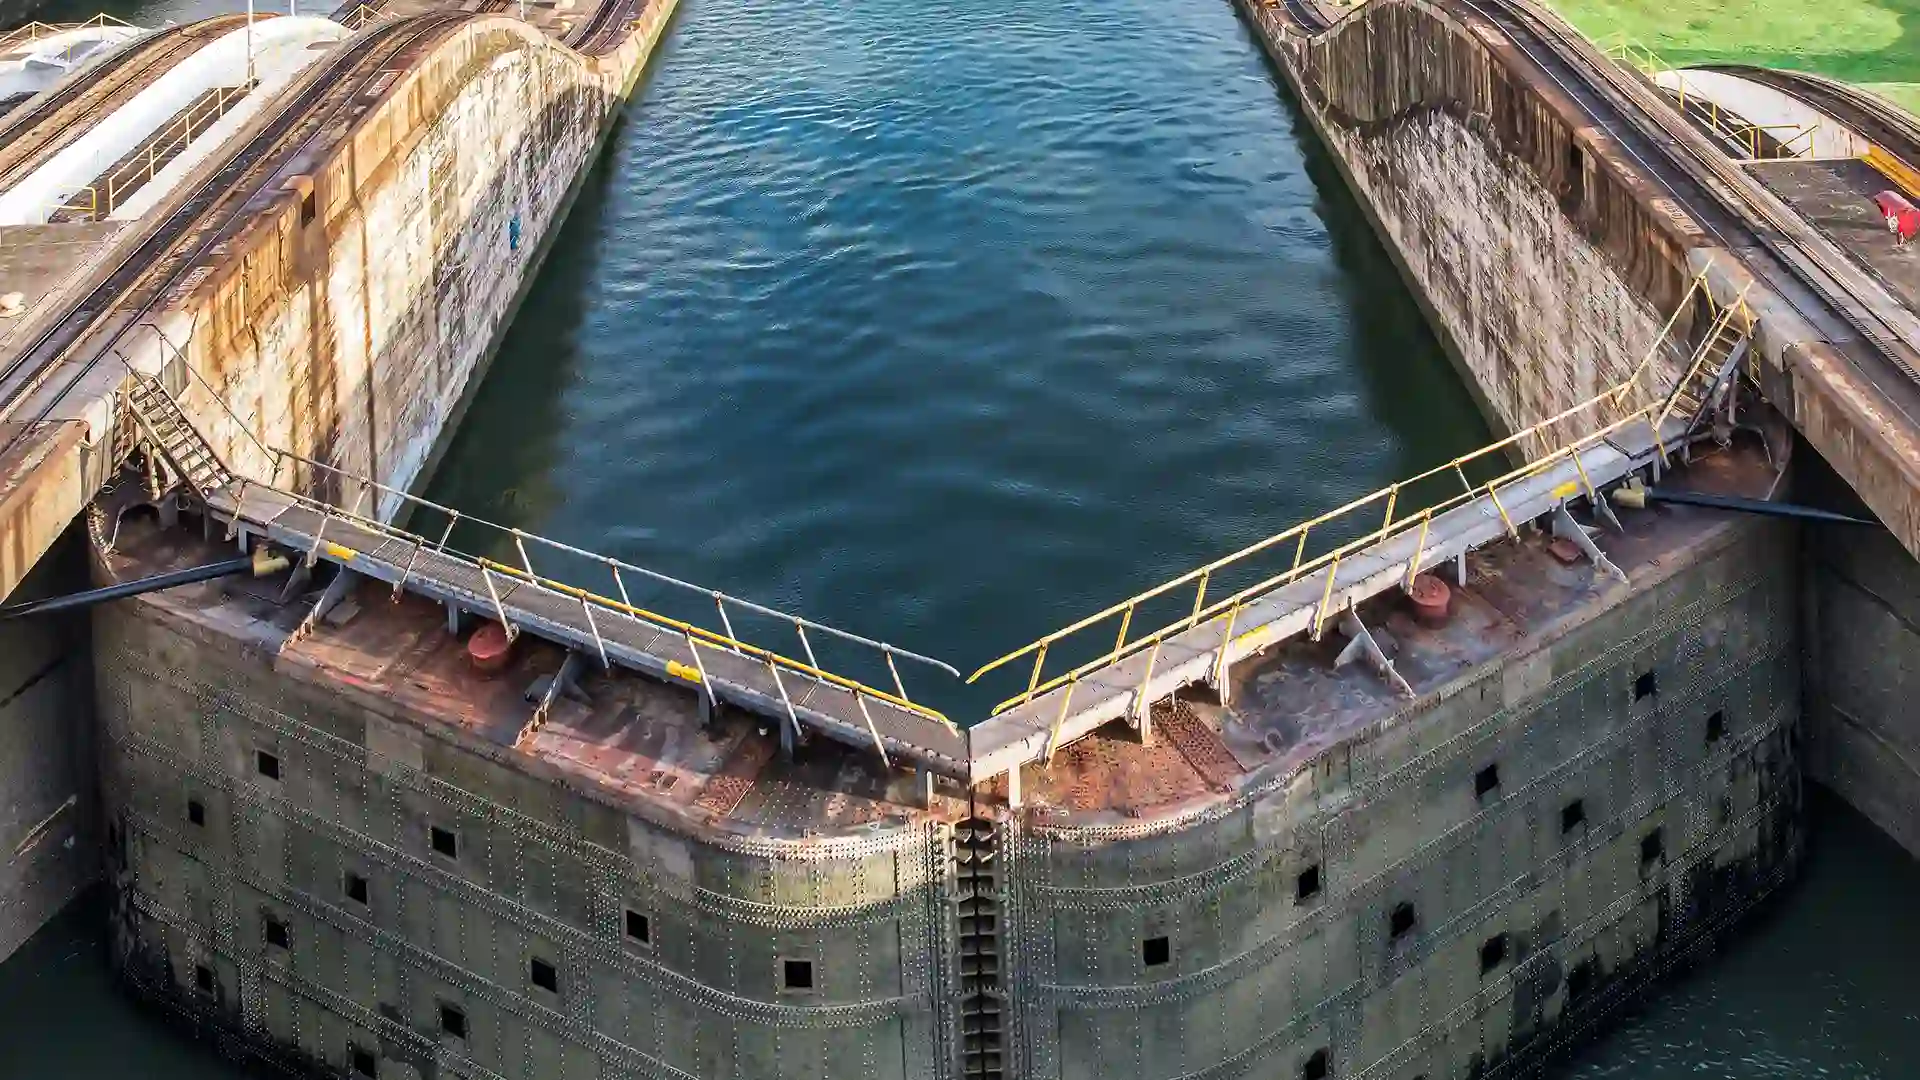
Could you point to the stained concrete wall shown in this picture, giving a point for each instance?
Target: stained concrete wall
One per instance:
(1259, 979)
(542, 869)
(48, 805)
(349, 321)
(1546, 267)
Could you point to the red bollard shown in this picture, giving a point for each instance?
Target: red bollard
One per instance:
(1902, 217)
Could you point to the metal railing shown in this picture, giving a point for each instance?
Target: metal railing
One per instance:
(124, 177)
(1655, 410)
(1757, 142)
(1902, 175)
(811, 636)
(36, 30)
(365, 13)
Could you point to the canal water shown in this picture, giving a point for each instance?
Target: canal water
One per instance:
(951, 320)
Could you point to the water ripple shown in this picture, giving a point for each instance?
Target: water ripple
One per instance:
(947, 321)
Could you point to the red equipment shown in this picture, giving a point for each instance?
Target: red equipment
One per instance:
(1903, 219)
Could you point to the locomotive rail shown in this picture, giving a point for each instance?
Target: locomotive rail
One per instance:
(64, 113)
(200, 219)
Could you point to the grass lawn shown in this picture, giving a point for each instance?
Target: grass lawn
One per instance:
(1874, 44)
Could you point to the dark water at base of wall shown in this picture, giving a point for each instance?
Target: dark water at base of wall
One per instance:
(1820, 985)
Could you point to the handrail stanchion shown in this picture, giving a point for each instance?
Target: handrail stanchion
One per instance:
(499, 609)
(593, 627)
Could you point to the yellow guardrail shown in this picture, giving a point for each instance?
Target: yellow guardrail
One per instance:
(1904, 176)
(1656, 411)
(36, 30)
(359, 17)
(681, 626)
(103, 195)
(589, 600)
(1759, 142)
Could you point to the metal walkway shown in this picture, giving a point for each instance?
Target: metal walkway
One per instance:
(1577, 456)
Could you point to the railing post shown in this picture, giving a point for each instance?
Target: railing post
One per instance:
(693, 649)
(1200, 593)
(313, 549)
(1220, 666)
(1053, 736)
(1039, 659)
(499, 609)
(898, 686)
(620, 583)
(1126, 623)
(800, 628)
(587, 610)
(1326, 597)
(878, 744)
(1419, 548)
(526, 563)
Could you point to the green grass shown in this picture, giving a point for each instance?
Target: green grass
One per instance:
(1872, 43)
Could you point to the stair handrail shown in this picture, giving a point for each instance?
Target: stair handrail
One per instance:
(1654, 410)
(726, 605)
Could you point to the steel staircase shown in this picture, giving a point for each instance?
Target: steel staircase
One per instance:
(168, 431)
(1712, 369)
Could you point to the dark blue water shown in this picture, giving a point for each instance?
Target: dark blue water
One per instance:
(949, 321)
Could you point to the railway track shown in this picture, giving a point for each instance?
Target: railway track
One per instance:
(65, 112)
(604, 30)
(1885, 125)
(1776, 244)
(95, 326)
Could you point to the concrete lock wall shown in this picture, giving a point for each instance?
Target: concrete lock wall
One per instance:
(48, 809)
(351, 318)
(1261, 978)
(209, 854)
(347, 322)
(541, 870)
(1546, 266)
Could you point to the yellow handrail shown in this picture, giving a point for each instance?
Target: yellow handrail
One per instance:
(103, 195)
(1751, 138)
(1902, 175)
(668, 622)
(1656, 411)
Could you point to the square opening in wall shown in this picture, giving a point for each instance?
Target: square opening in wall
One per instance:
(453, 1021)
(364, 1063)
(1652, 846)
(639, 927)
(445, 843)
(1307, 885)
(356, 888)
(203, 978)
(1401, 920)
(277, 935)
(196, 812)
(268, 765)
(1716, 727)
(796, 974)
(1492, 952)
(1155, 951)
(1486, 781)
(1573, 815)
(307, 214)
(1645, 686)
(1315, 1067)
(543, 975)
(1580, 979)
